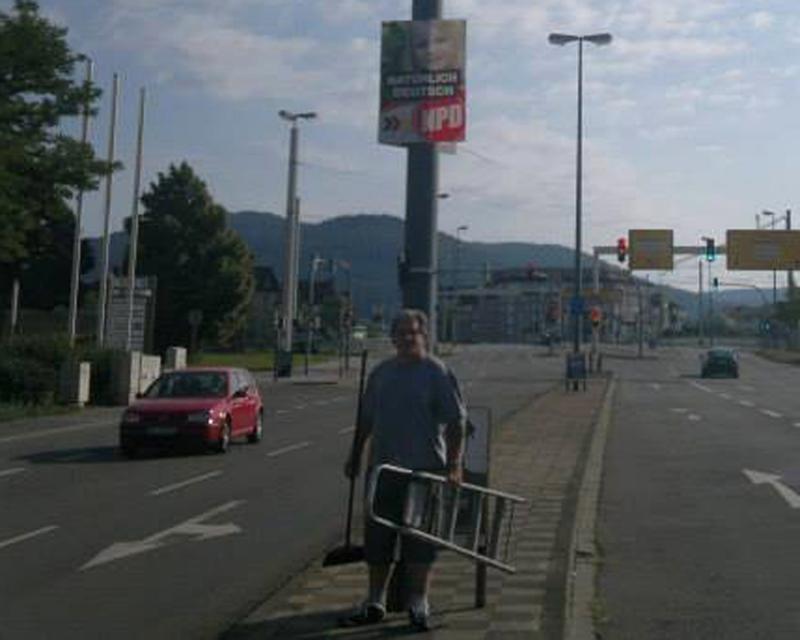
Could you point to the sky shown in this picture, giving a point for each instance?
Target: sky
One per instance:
(690, 114)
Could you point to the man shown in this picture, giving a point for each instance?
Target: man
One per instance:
(414, 416)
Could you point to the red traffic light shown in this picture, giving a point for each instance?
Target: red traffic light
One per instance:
(622, 249)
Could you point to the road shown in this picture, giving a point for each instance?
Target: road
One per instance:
(96, 546)
(700, 513)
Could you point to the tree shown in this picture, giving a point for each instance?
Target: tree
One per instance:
(40, 167)
(199, 261)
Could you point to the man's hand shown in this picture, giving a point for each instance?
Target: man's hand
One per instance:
(455, 473)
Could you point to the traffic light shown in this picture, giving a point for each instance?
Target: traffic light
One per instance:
(711, 252)
(622, 249)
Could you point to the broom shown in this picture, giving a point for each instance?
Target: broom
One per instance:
(349, 553)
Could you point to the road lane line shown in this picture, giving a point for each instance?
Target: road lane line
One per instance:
(185, 483)
(697, 385)
(694, 417)
(280, 412)
(50, 432)
(656, 386)
(745, 387)
(291, 447)
(11, 472)
(771, 414)
(747, 403)
(797, 424)
(680, 410)
(298, 407)
(27, 536)
(347, 430)
(725, 396)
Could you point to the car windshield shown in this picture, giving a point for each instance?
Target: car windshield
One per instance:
(189, 384)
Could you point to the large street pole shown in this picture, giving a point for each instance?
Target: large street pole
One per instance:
(422, 181)
(112, 139)
(289, 301)
(133, 248)
(700, 303)
(76, 238)
(577, 313)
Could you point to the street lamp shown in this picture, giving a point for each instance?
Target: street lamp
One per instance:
(292, 230)
(561, 39)
(710, 241)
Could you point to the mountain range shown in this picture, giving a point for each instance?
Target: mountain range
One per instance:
(371, 244)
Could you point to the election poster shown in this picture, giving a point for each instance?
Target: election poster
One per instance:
(423, 90)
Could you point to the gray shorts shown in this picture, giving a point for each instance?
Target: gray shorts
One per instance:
(380, 541)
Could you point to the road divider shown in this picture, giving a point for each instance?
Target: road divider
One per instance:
(185, 483)
(291, 447)
(27, 536)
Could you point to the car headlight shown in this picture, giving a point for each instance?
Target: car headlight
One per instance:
(131, 417)
(200, 417)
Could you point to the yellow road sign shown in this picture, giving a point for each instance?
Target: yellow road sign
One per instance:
(762, 250)
(650, 249)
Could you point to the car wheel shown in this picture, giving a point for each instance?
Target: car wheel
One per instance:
(224, 441)
(258, 429)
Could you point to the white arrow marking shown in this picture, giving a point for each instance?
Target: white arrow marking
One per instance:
(192, 527)
(759, 477)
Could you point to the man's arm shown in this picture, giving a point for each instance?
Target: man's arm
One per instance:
(454, 438)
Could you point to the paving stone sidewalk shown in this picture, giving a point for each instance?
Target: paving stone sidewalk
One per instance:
(538, 454)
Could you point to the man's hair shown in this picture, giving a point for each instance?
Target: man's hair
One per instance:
(410, 315)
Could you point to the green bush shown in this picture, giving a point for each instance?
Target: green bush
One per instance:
(48, 350)
(27, 381)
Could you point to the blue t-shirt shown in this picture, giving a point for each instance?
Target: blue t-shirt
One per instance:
(408, 405)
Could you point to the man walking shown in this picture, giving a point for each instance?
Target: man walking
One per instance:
(414, 416)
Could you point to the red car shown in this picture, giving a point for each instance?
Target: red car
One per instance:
(194, 406)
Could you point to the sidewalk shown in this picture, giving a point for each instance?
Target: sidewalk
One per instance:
(539, 453)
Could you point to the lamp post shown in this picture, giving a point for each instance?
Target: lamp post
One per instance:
(456, 281)
(561, 39)
(289, 300)
(710, 299)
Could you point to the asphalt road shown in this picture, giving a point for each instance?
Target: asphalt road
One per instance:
(95, 546)
(700, 513)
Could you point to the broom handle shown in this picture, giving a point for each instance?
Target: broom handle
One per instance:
(353, 446)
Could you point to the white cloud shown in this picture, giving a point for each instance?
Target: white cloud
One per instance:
(761, 20)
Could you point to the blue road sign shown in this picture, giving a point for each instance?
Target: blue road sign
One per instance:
(577, 306)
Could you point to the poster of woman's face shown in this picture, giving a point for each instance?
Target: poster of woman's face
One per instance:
(423, 45)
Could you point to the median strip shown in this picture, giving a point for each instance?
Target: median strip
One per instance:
(27, 536)
(185, 483)
(292, 447)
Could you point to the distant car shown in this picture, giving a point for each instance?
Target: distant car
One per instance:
(719, 362)
(206, 407)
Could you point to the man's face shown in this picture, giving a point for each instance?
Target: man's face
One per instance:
(409, 340)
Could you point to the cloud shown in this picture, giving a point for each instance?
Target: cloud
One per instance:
(761, 20)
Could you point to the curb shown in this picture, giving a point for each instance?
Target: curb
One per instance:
(582, 552)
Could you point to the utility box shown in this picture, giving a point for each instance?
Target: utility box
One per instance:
(73, 383)
(132, 373)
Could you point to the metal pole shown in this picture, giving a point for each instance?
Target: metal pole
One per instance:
(576, 342)
(310, 320)
(289, 279)
(76, 240)
(641, 319)
(133, 247)
(420, 288)
(112, 137)
(14, 305)
(789, 273)
(297, 242)
(700, 303)
(710, 308)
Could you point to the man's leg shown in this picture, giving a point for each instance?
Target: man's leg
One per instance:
(378, 579)
(419, 582)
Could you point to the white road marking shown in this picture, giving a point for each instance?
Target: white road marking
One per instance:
(11, 472)
(655, 386)
(697, 385)
(771, 414)
(725, 396)
(759, 477)
(347, 430)
(193, 527)
(282, 411)
(50, 432)
(321, 403)
(680, 410)
(185, 483)
(747, 403)
(298, 407)
(694, 417)
(27, 536)
(292, 447)
(797, 424)
(745, 387)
